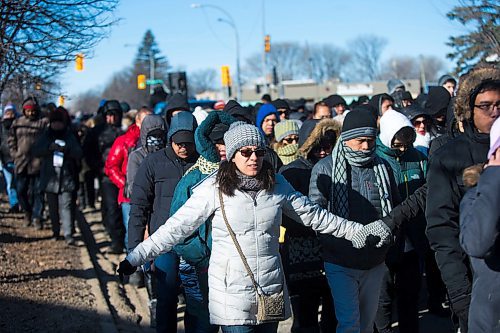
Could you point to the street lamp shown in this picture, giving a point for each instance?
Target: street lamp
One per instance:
(229, 21)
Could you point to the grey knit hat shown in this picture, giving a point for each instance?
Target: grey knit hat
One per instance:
(241, 134)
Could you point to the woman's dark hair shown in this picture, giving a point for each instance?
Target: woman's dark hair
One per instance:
(228, 180)
(405, 135)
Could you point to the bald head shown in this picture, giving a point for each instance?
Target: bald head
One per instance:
(141, 114)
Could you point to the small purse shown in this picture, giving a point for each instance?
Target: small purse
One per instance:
(269, 307)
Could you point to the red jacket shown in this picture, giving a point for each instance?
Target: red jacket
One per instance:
(116, 163)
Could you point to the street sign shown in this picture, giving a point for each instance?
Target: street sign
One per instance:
(149, 82)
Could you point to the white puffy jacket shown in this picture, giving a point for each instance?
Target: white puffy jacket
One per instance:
(232, 298)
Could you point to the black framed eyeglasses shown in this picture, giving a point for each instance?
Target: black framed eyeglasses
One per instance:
(247, 152)
(488, 107)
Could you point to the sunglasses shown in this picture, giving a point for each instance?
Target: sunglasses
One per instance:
(400, 145)
(259, 152)
(419, 122)
(292, 139)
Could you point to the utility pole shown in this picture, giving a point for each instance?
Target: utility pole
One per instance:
(151, 70)
(264, 53)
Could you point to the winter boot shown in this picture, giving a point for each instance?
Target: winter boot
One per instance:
(37, 223)
(137, 278)
(27, 220)
(150, 284)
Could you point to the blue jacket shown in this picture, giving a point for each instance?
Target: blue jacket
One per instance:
(479, 237)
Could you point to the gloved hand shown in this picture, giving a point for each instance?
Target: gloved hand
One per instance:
(377, 228)
(125, 268)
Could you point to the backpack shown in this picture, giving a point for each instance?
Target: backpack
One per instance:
(197, 248)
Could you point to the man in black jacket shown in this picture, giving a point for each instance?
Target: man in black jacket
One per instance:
(152, 194)
(476, 110)
(96, 148)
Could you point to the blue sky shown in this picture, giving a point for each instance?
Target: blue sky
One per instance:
(192, 39)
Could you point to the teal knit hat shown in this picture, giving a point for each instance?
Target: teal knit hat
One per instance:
(285, 128)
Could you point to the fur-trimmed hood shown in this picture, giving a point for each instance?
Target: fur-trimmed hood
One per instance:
(466, 89)
(317, 134)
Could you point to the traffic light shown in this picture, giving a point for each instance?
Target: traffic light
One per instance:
(267, 43)
(79, 62)
(60, 100)
(141, 81)
(177, 83)
(226, 76)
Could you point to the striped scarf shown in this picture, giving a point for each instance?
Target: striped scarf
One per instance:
(339, 198)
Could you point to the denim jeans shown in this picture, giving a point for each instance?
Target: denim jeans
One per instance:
(195, 284)
(355, 295)
(126, 217)
(166, 272)
(10, 183)
(31, 198)
(61, 207)
(262, 328)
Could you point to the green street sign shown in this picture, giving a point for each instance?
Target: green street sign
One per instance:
(154, 81)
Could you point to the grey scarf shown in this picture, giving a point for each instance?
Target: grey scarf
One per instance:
(248, 184)
(339, 199)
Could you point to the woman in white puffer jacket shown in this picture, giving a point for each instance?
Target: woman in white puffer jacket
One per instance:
(254, 199)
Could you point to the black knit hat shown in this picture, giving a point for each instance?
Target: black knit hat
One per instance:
(280, 104)
(359, 123)
(334, 100)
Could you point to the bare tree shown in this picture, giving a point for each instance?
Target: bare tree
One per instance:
(433, 67)
(294, 61)
(401, 67)
(484, 38)
(288, 57)
(365, 56)
(87, 102)
(327, 61)
(39, 36)
(202, 80)
(253, 67)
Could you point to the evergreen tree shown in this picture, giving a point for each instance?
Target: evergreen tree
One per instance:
(483, 40)
(147, 49)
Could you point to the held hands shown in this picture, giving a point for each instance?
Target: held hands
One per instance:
(55, 147)
(125, 268)
(376, 233)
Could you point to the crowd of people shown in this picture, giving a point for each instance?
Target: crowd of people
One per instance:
(332, 215)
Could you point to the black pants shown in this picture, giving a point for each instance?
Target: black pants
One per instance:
(89, 177)
(401, 283)
(31, 198)
(111, 212)
(305, 307)
(435, 284)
